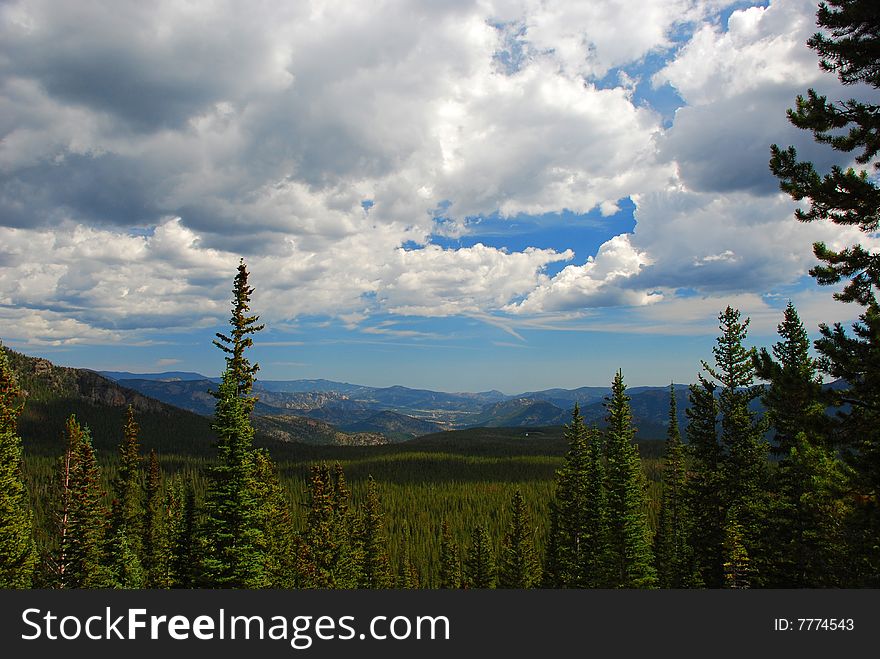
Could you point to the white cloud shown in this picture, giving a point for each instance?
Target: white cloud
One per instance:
(147, 146)
(596, 283)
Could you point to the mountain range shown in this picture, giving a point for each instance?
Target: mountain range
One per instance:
(401, 413)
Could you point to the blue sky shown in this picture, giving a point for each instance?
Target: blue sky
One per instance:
(464, 196)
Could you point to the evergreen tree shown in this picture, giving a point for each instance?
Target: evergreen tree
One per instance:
(17, 551)
(672, 551)
(793, 397)
(375, 569)
(407, 574)
(744, 460)
(479, 567)
(703, 495)
(630, 560)
(450, 562)
(843, 196)
(275, 524)
(736, 555)
(744, 466)
(518, 565)
(808, 485)
(82, 546)
(327, 557)
(183, 535)
(127, 511)
(576, 549)
(239, 338)
(846, 197)
(813, 505)
(159, 517)
(233, 538)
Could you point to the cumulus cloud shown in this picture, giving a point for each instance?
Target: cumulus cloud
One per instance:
(145, 147)
(597, 283)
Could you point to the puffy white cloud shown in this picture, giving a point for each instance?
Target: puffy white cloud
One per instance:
(596, 283)
(147, 146)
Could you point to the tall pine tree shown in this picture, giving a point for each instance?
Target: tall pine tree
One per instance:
(17, 551)
(234, 541)
(848, 45)
(518, 565)
(450, 561)
(127, 511)
(703, 495)
(82, 547)
(375, 568)
(479, 566)
(630, 560)
(809, 507)
(576, 550)
(672, 552)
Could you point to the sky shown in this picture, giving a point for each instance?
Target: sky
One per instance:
(459, 195)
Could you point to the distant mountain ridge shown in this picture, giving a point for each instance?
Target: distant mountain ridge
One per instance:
(402, 413)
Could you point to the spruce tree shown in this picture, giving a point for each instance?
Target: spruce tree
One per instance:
(407, 574)
(847, 46)
(703, 493)
(327, 557)
(375, 568)
(183, 535)
(744, 466)
(239, 339)
(518, 566)
(450, 561)
(630, 560)
(154, 536)
(83, 558)
(17, 551)
(793, 397)
(275, 524)
(737, 570)
(233, 555)
(576, 548)
(479, 567)
(672, 551)
(127, 511)
(808, 505)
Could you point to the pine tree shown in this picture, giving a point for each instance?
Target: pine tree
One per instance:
(327, 557)
(83, 564)
(17, 550)
(577, 546)
(744, 466)
(183, 536)
(846, 197)
(736, 555)
(843, 197)
(479, 567)
(518, 565)
(233, 557)
(808, 485)
(157, 541)
(375, 568)
(275, 524)
(450, 561)
(407, 574)
(703, 495)
(127, 511)
(793, 397)
(238, 340)
(672, 551)
(630, 560)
